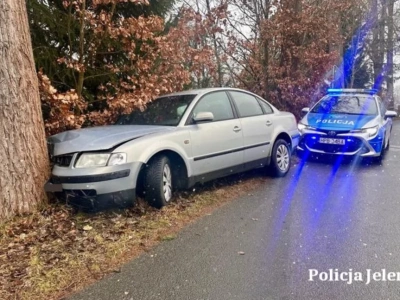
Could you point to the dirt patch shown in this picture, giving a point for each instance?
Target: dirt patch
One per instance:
(52, 253)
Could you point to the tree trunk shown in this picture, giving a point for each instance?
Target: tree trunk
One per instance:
(389, 55)
(81, 76)
(265, 58)
(376, 47)
(216, 51)
(23, 154)
(354, 46)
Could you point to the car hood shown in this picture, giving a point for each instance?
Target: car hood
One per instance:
(99, 138)
(337, 121)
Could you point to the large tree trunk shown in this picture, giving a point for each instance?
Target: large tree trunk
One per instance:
(377, 45)
(265, 58)
(216, 50)
(23, 154)
(389, 55)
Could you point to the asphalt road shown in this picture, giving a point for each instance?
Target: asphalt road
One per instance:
(321, 216)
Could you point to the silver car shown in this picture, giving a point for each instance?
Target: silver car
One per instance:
(179, 140)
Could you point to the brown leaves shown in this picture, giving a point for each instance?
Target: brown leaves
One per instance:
(32, 246)
(32, 236)
(60, 109)
(156, 63)
(291, 52)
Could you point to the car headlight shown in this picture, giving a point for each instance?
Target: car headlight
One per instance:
(371, 131)
(91, 160)
(302, 126)
(117, 159)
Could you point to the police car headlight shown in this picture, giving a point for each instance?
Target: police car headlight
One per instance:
(371, 131)
(302, 126)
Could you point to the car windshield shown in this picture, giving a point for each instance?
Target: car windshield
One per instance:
(166, 111)
(346, 104)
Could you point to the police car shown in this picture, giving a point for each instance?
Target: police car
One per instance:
(348, 122)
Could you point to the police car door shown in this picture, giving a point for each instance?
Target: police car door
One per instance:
(386, 122)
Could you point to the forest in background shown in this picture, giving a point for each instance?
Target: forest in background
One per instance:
(98, 59)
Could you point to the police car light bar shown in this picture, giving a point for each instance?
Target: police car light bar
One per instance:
(362, 91)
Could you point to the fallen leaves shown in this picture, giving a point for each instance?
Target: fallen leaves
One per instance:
(87, 228)
(51, 253)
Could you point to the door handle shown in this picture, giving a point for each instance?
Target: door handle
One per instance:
(236, 129)
(268, 123)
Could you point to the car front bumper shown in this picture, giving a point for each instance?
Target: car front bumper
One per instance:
(95, 186)
(356, 144)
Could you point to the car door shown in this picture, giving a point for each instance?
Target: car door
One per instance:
(386, 123)
(257, 126)
(217, 145)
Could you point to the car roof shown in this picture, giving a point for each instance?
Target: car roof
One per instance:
(203, 91)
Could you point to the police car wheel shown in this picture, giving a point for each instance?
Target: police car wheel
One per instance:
(300, 153)
(382, 154)
(388, 143)
(280, 158)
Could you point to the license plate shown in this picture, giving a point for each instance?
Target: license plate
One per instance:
(332, 141)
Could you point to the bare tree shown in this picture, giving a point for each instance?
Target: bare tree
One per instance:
(389, 53)
(23, 154)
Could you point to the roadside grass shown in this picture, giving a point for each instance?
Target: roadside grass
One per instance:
(52, 253)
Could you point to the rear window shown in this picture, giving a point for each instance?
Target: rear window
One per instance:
(347, 104)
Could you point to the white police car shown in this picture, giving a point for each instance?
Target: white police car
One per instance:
(349, 122)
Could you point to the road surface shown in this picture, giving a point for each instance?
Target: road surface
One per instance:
(267, 245)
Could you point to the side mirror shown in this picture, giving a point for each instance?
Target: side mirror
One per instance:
(390, 114)
(203, 117)
(305, 110)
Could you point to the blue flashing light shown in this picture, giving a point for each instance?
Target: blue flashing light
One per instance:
(330, 91)
(361, 91)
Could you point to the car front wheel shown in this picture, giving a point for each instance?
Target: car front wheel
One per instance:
(158, 182)
(280, 158)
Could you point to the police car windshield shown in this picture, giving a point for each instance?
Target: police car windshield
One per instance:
(346, 104)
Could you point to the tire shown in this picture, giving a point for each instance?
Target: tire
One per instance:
(158, 178)
(280, 158)
(388, 143)
(300, 154)
(380, 158)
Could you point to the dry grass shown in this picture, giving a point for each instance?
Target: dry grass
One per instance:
(52, 253)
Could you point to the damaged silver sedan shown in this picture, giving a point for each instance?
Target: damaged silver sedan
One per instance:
(179, 140)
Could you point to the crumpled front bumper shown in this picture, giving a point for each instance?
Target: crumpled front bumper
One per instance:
(103, 186)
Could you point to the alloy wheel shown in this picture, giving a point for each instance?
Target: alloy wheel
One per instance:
(167, 183)
(282, 158)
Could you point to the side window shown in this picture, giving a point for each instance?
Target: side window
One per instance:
(218, 104)
(246, 104)
(266, 107)
(381, 107)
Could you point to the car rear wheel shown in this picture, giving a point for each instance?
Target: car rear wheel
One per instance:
(158, 182)
(280, 158)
